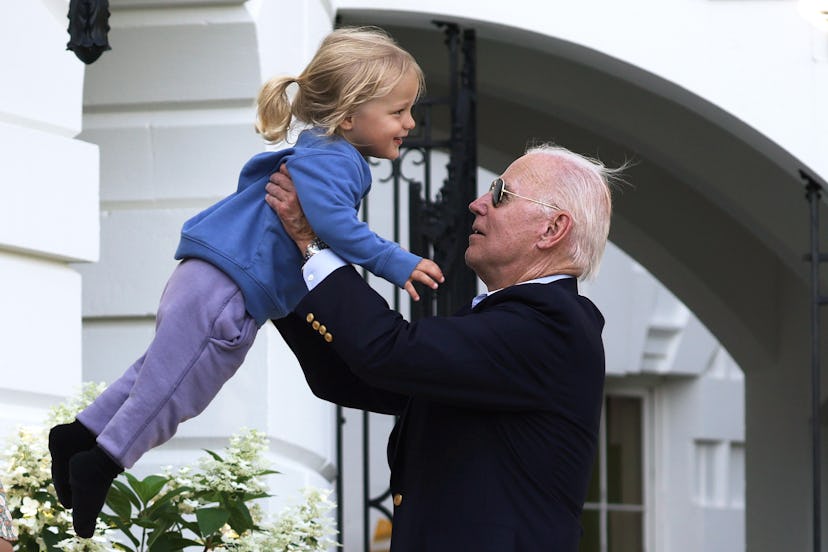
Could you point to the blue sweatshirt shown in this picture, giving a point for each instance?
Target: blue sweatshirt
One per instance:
(243, 237)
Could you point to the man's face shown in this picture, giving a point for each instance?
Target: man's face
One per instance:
(502, 243)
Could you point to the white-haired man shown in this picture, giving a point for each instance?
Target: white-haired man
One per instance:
(499, 404)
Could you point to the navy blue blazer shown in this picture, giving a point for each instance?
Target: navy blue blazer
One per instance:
(498, 407)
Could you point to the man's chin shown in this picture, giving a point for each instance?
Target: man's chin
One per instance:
(469, 258)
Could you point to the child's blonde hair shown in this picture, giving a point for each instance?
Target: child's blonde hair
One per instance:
(352, 66)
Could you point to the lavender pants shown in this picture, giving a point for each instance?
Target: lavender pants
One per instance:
(202, 334)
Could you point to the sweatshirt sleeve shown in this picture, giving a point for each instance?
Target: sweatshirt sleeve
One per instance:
(330, 189)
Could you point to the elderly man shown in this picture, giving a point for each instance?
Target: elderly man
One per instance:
(498, 405)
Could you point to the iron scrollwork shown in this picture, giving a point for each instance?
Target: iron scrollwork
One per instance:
(439, 227)
(439, 223)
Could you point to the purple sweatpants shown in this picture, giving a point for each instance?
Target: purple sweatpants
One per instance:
(202, 334)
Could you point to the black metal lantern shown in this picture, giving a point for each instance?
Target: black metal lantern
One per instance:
(88, 27)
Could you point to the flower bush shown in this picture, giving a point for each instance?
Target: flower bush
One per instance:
(212, 506)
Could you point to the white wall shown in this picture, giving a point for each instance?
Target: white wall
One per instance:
(693, 394)
(48, 210)
(742, 56)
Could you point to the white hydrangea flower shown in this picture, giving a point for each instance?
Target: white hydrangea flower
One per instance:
(98, 543)
(29, 507)
(65, 412)
(227, 534)
(239, 470)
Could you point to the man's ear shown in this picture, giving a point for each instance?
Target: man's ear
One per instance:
(557, 229)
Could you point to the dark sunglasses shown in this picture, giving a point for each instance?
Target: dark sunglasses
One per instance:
(498, 188)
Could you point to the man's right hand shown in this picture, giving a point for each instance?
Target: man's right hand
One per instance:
(281, 196)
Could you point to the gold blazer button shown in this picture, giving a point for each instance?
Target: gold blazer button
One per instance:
(315, 325)
(309, 317)
(397, 499)
(328, 337)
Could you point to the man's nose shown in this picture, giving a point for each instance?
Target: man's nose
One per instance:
(480, 205)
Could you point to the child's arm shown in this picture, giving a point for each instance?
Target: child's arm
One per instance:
(427, 272)
(282, 198)
(330, 188)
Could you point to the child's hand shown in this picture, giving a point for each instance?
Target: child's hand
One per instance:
(426, 272)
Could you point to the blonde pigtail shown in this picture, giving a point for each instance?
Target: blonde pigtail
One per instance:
(273, 109)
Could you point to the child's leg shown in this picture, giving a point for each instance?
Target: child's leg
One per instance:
(91, 473)
(203, 333)
(95, 416)
(66, 440)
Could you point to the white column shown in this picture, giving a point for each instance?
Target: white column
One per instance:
(48, 211)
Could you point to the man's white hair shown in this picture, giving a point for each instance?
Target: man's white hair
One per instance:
(582, 188)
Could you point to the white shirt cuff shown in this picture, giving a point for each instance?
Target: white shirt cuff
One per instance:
(320, 266)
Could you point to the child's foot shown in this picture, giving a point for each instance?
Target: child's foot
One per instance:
(90, 474)
(65, 441)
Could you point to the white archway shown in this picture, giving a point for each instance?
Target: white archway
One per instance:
(716, 210)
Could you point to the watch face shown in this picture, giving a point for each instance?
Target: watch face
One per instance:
(314, 247)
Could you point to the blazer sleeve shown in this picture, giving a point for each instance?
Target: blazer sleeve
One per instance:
(330, 189)
(521, 353)
(327, 375)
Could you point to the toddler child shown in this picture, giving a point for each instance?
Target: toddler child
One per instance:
(238, 266)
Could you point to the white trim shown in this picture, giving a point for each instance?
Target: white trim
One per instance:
(645, 395)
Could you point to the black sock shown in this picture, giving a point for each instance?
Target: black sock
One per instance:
(91, 474)
(65, 441)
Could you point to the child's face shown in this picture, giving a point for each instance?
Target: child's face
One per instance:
(378, 127)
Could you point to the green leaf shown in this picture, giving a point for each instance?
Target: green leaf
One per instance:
(247, 497)
(50, 539)
(171, 542)
(145, 522)
(164, 514)
(31, 546)
(215, 456)
(151, 486)
(165, 499)
(166, 542)
(240, 519)
(133, 498)
(124, 525)
(211, 496)
(211, 520)
(191, 526)
(133, 481)
(186, 543)
(159, 531)
(119, 502)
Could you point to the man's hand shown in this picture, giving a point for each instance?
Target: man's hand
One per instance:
(281, 196)
(426, 272)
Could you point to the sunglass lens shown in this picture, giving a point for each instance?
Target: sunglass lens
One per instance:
(497, 192)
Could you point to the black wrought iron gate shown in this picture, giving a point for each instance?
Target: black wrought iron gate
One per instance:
(813, 192)
(438, 221)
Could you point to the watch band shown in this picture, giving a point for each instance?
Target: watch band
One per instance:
(315, 246)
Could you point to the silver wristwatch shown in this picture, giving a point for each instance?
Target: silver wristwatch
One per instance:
(314, 247)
